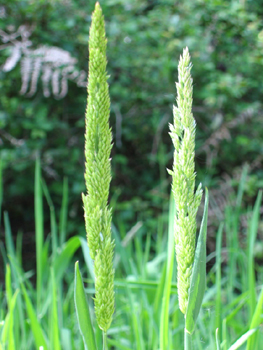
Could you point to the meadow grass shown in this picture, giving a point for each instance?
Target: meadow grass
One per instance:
(141, 320)
(37, 308)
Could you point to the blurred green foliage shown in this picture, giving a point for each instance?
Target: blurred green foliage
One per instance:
(145, 39)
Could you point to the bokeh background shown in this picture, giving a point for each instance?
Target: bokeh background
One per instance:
(145, 40)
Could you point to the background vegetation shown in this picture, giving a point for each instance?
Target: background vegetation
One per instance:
(145, 39)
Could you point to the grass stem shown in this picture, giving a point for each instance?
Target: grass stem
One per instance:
(187, 340)
(105, 345)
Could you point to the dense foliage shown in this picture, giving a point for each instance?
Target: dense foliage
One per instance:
(144, 40)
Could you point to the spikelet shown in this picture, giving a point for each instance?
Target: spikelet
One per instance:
(183, 174)
(98, 144)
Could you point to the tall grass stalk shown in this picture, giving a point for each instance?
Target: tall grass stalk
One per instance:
(186, 200)
(190, 261)
(98, 144)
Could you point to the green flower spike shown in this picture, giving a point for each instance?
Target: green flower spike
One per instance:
(183, 183)
(98, 144)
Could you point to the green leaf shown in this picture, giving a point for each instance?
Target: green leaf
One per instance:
(53, 222)
(217, 340)
(87, 258)
(198, 278)
(1, 185)
(252, 343)
(242, 339)
(252, 234)
(135, 322)
(35, 325)
(63, 212)
(39, 227)
(62, 260)
(11, 304)
(118, 345)
(218, 306)
(164, 321)
(55, 339)
(8, 331)
(82, 310)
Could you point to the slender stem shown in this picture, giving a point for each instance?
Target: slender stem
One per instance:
(187, 340)
(105, 345)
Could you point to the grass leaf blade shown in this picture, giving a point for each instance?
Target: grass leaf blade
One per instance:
(39, 224)
(82, 311)
(252, 343)
(217, 340)
(252, 233)
(164, 323)
(198, 278)
(38, 334)
(242, 339)
(55, 323)
(62, 260)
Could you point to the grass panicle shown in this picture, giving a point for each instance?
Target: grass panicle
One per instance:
(98, 144)
(187, 201)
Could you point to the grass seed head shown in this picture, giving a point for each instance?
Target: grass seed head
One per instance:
(183, 174)
(98, 144)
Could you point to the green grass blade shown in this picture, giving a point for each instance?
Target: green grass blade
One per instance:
(11, 305)
(252, 232)
(19, 247)
(62, 260)
(55, 339)
(45, 263)
(198, 278)
(138, 253)
(235, 311)
(121, 252)
(17, 273)
(53, 222)
(146, 254)
(54, 235)
(82, 311)
(135, 321)
(66, 340)
(118, 345)
(39, 227)
(1, 187)
(257, 318)
(232, 222)
(242, 339)
(217, 340)
(159, 293)
(3, 253)
(234, 307)
(7, 331)
(164, 321)
(241, 186)
(10, 248)
(218, 311)
(37, 331)
(63, 213)
(8, 285)
(87, 258)
(11, 335)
